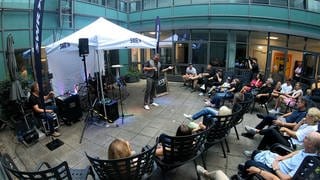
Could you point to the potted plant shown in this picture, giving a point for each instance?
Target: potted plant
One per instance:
(132, 76)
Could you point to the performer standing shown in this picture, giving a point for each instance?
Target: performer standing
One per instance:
(151, 70)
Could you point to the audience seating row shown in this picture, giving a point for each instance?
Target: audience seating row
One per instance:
(176, 152)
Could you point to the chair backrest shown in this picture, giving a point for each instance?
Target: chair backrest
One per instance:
(60, 172)
(133, 167)
(309, 169)
(239, 112)
(221, 127)
(246, 104)
(178, 150)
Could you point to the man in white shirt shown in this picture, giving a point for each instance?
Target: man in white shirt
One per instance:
(190, 72)
(286, 88)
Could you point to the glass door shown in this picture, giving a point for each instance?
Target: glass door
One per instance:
(280, 63)
(310, 68)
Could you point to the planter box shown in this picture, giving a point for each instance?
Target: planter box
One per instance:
(132, 79)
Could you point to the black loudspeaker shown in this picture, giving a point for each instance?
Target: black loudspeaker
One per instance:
(111, 109)
(69, 107)
(83, 46)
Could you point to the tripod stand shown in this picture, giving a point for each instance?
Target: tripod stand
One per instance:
(89, 115)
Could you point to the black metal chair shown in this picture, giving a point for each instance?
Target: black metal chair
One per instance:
(309, 169)
(179, 150)
(139, 166)
(246, 104)
(264, 103)
(220, 130)
(61, 171)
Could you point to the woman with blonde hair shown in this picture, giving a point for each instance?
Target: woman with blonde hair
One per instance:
(119, 148)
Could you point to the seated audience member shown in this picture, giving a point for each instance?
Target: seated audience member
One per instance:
(215, 81)
(182, 130)
(209, 112)
(276, 90)
(288, 120)
(273, 166)
(289, 99)
(227, 91)
(238, 97)
(212, 175)
(119, 148)
(190, 72)
(290, 137)
(264, 93)
(201, 78)
(286, 88)
(257, 82)
(40, 111)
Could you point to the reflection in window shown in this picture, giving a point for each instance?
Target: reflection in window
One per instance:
(296, 43)
(313, 45)
(218, 35)
(182, 2)
(135, 6)
(260, 1)
(123, 6)
(218, 53)
(199, 52)
(112, 4)
(314, 5)
(299, 4)
(279, 2)
(183, 35)
(182, 50)
(199, 35)
(200, 1)
(165, 3)
(166, 55)
(149, 4)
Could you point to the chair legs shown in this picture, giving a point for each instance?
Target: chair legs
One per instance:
(266, 107)
(222, 147)
(203, 159)
(195, 165)
(227, 145)
(235, 129)
(253, 105)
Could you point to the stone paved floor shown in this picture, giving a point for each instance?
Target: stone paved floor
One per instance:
(140, 129)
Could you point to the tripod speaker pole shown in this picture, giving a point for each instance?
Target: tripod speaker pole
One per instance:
(83, 51)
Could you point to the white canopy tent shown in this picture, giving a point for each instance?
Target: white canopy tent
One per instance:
(63, 56)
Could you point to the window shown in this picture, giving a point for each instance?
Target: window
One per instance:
(218, 53)
(149, 4)
(112, 4)
(181, 2)
(199, 52)
(299, 4)
(296, 43)
(200, 35)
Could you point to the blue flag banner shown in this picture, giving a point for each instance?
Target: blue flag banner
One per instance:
(157, 33)
(37, 36)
